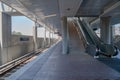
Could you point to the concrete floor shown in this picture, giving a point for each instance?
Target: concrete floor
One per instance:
(77, 65)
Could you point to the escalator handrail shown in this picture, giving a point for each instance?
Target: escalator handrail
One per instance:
(86, 31)
(95, 35)
(100, 44)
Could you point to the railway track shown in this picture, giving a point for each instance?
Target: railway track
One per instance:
(9, 68)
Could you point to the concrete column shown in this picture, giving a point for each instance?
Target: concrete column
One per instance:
(35, 37)
(65, 35)
(5, 37)
(52, 38)
(45, 38)
(111, 34)
(106, 34)
(49, 39)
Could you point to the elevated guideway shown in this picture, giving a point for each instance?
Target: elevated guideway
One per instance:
(77, 65)
(66, 60)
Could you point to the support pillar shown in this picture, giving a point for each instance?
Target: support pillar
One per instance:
(45, 38)
(35, 36)
(113, 33)
(52, 37)
(49, 39)
(5, 37)
(65, 35)
(106, 34)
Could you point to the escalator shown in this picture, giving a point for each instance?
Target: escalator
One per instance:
(101, 48)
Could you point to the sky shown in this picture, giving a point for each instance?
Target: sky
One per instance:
(24, 25)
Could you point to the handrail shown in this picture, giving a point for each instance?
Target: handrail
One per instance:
(95, 35)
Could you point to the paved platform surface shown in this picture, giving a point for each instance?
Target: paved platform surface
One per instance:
(77, 65)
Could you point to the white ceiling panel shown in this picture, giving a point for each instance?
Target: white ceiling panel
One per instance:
(46, 12)
(69, 7)
(49, 12)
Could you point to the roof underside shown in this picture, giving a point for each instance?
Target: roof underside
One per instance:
(49, 12)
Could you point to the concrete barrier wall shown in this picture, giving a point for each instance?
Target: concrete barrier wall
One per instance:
(21, 45)
(19, 48)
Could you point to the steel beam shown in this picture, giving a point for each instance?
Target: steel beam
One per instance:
(114, 6)
(105, 12)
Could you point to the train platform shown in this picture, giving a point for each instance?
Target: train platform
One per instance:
(77, 65)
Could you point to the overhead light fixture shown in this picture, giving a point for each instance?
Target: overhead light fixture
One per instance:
(52, 15)
(68, 9)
